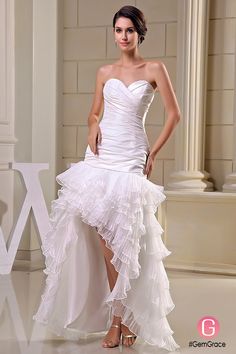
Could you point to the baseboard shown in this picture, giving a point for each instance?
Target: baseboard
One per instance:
(29, 260)
(211, 268)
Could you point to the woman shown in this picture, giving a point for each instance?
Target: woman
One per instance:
(107, 204)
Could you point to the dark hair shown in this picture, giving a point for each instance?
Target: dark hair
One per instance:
(136, 16)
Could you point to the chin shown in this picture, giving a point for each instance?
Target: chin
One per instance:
(126, 48)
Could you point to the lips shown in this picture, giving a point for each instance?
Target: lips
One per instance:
(124, 43)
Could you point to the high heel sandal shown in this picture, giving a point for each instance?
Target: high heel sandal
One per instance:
(109, 340)
(128, 336)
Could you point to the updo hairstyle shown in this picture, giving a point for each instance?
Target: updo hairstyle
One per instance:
(136, 16)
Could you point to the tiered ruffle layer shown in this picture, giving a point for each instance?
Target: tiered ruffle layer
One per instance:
(121, 207)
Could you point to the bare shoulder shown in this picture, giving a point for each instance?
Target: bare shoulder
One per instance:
(155, 66)
(150, 71)
(104, 72)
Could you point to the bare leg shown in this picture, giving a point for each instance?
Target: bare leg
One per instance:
(113, 334)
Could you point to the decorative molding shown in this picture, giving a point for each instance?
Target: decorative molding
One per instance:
(198, 267)
(29, 260)
(230, 183)
(188, 196)
(199, 230)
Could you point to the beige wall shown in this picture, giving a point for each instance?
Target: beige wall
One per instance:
(220, 94)
(88, 44)
(192, 222)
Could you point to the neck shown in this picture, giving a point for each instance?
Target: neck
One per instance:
(130, 58)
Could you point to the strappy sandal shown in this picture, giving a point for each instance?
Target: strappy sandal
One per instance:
(110, 341)
(128, 336)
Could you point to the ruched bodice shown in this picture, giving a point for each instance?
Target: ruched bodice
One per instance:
(124, 146)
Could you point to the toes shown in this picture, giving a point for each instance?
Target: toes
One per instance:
(107, 343)
(128, 341)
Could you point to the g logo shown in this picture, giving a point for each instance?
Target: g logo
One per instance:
(208, 327)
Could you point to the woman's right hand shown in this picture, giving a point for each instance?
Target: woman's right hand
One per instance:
(94, 137)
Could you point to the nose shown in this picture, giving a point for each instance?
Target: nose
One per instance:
(124, 35)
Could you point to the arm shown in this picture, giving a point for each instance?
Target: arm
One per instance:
(171, 106)
(94, 135)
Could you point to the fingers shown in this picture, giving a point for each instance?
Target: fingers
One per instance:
(99, 137)
(96, 149)
(93, 147)
(148, 168)
(96, 146)
(97, 141)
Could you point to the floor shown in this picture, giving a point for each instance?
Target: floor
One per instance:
(194, 294)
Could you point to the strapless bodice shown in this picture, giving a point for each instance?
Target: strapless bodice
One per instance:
(124, 146)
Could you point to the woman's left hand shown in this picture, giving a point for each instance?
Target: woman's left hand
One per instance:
(149, 164)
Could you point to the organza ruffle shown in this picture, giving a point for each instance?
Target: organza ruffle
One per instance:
(121, 206)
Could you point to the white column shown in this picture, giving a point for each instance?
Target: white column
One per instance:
(30, 105)
(7, 112)
(7, 83)
(230, 180)
(46, 114)
(191, 94)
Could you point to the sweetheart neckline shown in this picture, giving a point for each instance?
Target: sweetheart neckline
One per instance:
(127, 87)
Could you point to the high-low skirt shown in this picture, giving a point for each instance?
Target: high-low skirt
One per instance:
(121, 207)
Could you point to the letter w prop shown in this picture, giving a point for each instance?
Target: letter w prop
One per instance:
(34, 199)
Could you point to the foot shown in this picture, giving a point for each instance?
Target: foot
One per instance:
(112, 338)
(128, 338)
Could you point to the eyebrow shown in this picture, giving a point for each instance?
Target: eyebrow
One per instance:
(126, 27)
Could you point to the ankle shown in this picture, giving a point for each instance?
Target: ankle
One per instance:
(125, 328)
(116, 320)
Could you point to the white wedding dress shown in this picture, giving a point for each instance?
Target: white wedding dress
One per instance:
(109, 194)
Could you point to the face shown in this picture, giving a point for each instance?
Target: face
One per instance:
(125, 34)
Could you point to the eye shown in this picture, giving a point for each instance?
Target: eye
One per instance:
(130, 30)
(117, 29)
